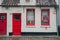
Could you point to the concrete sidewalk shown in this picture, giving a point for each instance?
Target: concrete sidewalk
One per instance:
(30, 38)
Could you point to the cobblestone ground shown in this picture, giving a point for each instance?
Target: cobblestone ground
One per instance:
(30, 38)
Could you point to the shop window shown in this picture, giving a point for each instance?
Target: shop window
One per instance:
(45, 17)
(30, 17)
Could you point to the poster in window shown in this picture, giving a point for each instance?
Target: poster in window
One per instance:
(45, 17)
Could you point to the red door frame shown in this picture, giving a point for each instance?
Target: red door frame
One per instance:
(13, 24)
(5, 24)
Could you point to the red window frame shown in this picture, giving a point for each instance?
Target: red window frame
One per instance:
(27, 17)
(48, 17)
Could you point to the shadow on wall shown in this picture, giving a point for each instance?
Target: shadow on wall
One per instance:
(59, 30)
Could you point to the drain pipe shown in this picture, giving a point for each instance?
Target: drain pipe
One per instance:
(57, 18)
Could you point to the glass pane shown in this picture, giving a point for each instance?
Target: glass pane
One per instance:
(17, 17)
(2, 17)
(30, 17)
(45, 17)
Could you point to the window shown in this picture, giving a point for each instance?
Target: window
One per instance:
(45, 17)
(30, 17)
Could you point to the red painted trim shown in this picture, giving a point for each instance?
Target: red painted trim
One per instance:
(27, 17)
(48, 18)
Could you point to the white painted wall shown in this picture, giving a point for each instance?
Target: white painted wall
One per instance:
(37, 27)
(57, 1)
(1, 1)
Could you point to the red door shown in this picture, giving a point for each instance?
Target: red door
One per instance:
(17, 24)
(3, 23)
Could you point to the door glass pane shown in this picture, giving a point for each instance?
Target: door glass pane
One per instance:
(16, 17)
(2, 17)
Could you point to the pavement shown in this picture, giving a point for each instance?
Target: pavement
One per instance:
(29, 38)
